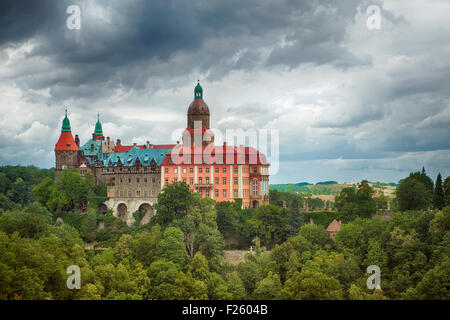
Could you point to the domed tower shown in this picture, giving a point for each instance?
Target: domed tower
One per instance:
(66, 150)
(198, 109)
(198, 120)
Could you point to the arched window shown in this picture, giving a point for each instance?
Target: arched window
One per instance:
(255, 187)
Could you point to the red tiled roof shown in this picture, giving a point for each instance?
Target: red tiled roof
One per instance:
(214, 155)
(334, 226)
(66, 142)
(157, 146)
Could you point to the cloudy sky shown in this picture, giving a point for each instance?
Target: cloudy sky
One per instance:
(350, 102)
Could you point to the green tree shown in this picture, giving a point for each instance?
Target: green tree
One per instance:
(446, 188)
(438, 195)
(162, 275)
(235, 286)
(315, 234)
(269, 288)
(412, 194)
(268, 224)
(312, 285)
(227, 218)
(173, 203)
(352, 203)
(172, 248)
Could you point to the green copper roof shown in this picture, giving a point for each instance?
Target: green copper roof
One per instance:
(66, 124)
(198, 91)
(98, 127)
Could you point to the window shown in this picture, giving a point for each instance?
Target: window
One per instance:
(153, 193)
(235, 169)
(175, 179)
(224, 181)
(137, 180)
(207, 180)
(175, 170)
(224, 170)
(255, 187)
(207, 170)
(217, 170)
(129, 180)
(184, 170)
(235, 193)
(166, 170)
(224, 193)
(255, 169)
(184, 180)
(200, 170)
(207, 192)
(129, 194)
(153, 180)
(191, 181)
(191, 170)
(121, 180)
(216, 193)
(145, 180)
(235, 180)
(138, 193)
(200, 180)
(200, 191)
(167, 181)
(217, 180)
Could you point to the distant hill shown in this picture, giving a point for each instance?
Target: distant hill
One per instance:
(327, 182)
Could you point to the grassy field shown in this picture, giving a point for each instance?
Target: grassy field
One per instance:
(329, 189)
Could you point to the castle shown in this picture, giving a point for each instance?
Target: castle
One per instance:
(136, 174)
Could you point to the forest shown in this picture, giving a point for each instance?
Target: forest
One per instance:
(179, 254)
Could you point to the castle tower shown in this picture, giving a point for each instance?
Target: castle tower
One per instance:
(198, 120)
(66, 149)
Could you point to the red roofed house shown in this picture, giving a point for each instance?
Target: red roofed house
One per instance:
(333, 229)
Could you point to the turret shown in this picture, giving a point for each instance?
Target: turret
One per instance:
(66, 149)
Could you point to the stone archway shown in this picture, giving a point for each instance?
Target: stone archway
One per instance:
(147, 212)
(122, 211)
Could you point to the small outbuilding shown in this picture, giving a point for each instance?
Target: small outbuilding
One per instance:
(333, 228)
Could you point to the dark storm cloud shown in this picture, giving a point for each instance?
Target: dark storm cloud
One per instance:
(137, 38)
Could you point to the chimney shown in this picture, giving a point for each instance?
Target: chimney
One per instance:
(77, 141)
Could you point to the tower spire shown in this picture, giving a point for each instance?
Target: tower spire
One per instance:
(66, 123)
(198, 91)
(98, 127)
